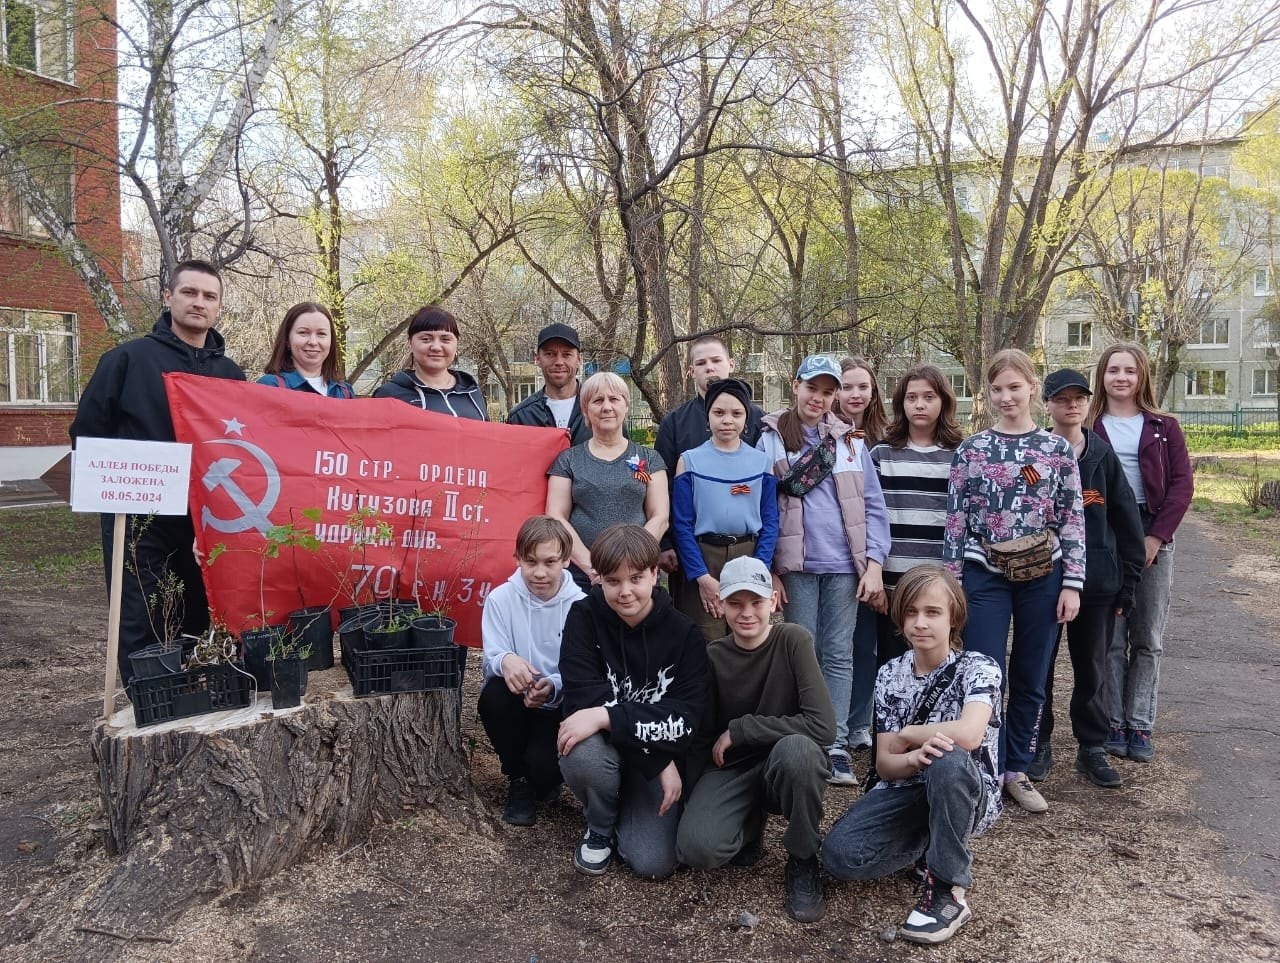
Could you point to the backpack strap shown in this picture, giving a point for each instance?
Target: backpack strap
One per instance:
(280, 382)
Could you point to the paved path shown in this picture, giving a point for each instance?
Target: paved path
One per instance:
(1220, 690)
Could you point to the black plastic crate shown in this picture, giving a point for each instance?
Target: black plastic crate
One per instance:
(386, 671)
(206, 688)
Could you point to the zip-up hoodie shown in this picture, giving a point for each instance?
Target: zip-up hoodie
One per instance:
(1114, 553)
(654, 678)
(517, 621)
(125, 398)
(463, 400)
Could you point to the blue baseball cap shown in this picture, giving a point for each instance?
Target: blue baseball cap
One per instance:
(815, 365)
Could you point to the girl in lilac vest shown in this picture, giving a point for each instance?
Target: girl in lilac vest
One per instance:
(833, 532)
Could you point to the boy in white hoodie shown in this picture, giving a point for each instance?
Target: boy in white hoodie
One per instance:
(521, 698)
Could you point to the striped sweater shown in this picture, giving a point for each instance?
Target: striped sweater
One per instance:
(914, 481)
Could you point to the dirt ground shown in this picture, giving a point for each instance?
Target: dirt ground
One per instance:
(1148, 872)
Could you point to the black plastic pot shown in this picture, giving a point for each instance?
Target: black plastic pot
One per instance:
(288, 682)
(155, 660)
(431, 631)
(377, 636)
(314, 627)
(255, 647)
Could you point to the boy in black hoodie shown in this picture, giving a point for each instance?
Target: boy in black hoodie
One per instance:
(636, 685)
(1113, 564)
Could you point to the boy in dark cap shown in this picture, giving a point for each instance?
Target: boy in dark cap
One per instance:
(1114, 557)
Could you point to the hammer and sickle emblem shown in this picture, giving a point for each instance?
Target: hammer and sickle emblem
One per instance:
(219, 475)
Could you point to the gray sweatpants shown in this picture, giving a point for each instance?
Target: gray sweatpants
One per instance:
(619, 802)
(728, 806)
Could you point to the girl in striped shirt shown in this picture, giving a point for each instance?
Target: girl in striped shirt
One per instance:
(914, 464)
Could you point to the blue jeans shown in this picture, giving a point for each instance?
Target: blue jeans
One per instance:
(1133, 654)
(1033, 606)
(889, 828)
(865, 639)
(826, 606)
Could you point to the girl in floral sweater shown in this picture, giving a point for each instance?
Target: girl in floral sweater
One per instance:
(1015, 535)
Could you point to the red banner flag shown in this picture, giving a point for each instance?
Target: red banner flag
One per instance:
(300, 500)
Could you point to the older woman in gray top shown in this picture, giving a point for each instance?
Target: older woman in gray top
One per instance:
(608, 480)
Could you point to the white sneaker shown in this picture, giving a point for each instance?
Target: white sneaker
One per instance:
(859, 739)
(1019, 788)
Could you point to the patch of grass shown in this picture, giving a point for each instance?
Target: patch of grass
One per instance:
(44, 541)
(1263, 436)
(61, 568)
(1225, 485)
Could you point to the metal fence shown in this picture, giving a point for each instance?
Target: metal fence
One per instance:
(1237, 422)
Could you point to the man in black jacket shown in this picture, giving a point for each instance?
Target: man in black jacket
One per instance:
(686, 427)
(1114, 558)
(125, 398)
(555, 405)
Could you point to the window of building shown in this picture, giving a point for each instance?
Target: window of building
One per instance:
(521, 390)
(1079, 334)
(1266, 332)
(1262, 282)
(1213, 333)
(1265, 380)
(830, 343)
(51, 169)
(38, 36)
(757, 388)
(37, 357)
(959, 384)
(1206, 383)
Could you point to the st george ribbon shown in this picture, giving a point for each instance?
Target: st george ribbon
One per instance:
(300, 500)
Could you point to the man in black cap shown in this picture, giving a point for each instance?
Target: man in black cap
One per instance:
(686, 427)
(555, 405)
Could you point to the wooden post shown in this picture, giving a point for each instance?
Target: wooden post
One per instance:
(113, 617)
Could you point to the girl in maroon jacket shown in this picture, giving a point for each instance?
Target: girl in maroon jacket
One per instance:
(1153, 453)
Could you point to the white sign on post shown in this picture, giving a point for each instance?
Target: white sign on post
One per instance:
(131, 477)
(120, 477)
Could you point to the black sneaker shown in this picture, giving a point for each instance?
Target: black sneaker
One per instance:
(1041, 762)
(521, 809)
(592, 855)
(940, 911)
(1092, 761)
(805, 903)
(752, 851)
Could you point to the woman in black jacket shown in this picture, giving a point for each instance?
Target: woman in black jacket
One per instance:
(431, 382)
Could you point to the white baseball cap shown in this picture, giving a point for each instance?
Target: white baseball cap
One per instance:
(745, 573)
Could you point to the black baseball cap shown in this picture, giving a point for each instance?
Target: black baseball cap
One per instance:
(559, 332)
(1065, 378)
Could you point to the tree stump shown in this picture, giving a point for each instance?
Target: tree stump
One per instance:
(201, 805)
(1270, 494)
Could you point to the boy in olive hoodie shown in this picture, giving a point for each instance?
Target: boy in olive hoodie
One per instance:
(636, 682)
(774, 720)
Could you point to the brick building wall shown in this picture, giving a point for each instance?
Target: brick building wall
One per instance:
(34, 275)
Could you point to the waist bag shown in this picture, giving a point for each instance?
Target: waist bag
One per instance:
(1022, 559)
